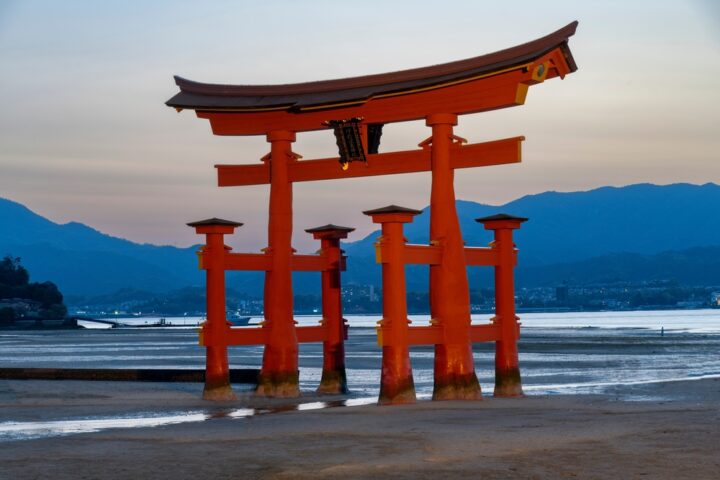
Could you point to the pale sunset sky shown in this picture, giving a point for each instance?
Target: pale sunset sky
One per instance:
(85, 135)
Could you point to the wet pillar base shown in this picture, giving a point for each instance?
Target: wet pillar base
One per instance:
(508, 383)
(278, 384)
(333, 382)
(454, 385)
(217, 374)
(457, 387)
(396, 381)
(220, 393)
(397, 392)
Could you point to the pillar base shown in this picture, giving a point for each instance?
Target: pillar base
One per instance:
(399, 393)
(333, 382)
(457, 387)
(223, 393)
(278, 385)
(508, 383)
(454, 374)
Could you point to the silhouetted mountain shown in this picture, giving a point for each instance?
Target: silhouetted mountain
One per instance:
(696, 266)
(82, 260)
(565, 227)
(566, 234)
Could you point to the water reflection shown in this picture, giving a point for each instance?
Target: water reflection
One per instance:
(31, 430)
(10, 431)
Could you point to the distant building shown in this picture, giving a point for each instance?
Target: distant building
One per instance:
(715, 299)
(562, 294)
(373, 295)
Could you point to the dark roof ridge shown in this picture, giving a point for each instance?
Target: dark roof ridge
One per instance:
(510, 56)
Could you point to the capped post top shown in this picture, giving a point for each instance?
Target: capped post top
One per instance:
(214, 226)
(330, 232)
(330, 228)
(392, 214)
(214, 222)
(392, 209)
(501, 220)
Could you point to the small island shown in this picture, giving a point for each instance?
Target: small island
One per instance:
(25, 304)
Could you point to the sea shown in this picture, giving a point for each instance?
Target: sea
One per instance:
(560, 353)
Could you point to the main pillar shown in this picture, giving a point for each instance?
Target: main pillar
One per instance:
(507, 369)
(279, 373)
(396, 380)
(455, 377)
(334, 380)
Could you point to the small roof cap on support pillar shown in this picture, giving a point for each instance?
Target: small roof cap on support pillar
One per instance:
(330, 231)
(214, 221)
(392, 209)
(501, 220)
(392, 213)
(214, 225)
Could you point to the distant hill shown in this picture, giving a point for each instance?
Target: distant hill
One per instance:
(568, 227)
(82, 260)
(697, 266)
(641, 218)
(577, 235)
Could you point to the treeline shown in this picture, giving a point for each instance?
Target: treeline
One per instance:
(20, 298)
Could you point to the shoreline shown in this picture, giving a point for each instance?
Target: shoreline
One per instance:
(661, 430)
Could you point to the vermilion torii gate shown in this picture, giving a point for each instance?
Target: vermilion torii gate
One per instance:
(356, 109)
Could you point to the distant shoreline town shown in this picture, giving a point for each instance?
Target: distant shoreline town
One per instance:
(366, 300)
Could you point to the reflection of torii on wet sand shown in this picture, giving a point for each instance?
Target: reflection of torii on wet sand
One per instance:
(356, 108)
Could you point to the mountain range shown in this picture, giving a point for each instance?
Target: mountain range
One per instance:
(635, 233)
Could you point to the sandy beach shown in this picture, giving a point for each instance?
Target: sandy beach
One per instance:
(659, 430)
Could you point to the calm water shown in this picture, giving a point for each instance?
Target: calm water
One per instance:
(559, 352)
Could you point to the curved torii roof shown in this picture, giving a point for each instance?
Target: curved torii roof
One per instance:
(340, 92)
(488, 82)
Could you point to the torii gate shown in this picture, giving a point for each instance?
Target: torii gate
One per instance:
(356, 109)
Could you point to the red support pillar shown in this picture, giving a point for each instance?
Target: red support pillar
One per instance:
(214, 333)
(279, 373)
(396, 382)
(455, 377)
(334, 380)
(507, 370)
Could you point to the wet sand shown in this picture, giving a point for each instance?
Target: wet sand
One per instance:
(658, 431)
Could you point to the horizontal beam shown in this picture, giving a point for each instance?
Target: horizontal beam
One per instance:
(247, 261)
(483, 256)
(251, 174)
(497, 152)
(432, 255)
(480, 256)
(425, 335)
(260, 335)
(422, 254)
(417, 335)
(314, 333)
(310, 263)
(484, 333)
(433, 334)
(263, 262)
(247, 336)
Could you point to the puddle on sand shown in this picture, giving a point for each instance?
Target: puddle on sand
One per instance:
(11, 431)
(31, 430)
(606, 387)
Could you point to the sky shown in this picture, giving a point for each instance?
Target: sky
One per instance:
(85, 135)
